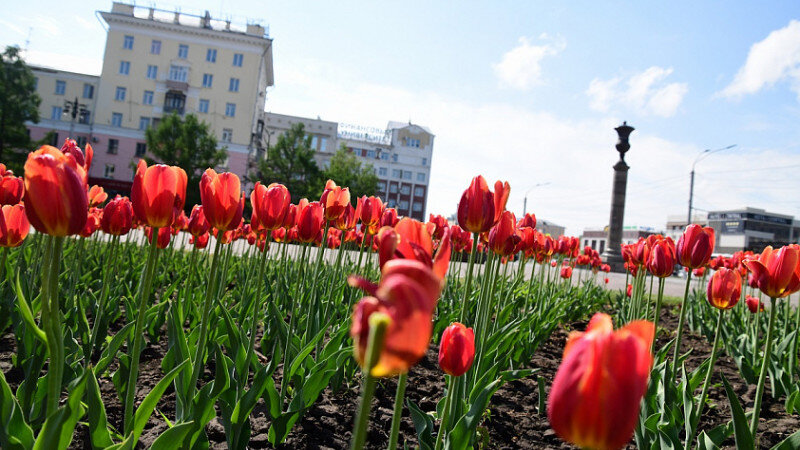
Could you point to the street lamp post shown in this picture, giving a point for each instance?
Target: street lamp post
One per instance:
(700, 157)
(525, 200)
(74, 109)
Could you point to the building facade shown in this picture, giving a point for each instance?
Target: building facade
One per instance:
(597, 238)
(400, 155)
(156, 63)
(752, 229)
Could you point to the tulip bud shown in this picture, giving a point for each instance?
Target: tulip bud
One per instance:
(14, 225)
(754, 304)
(695, 246)
(456, 349)
(157, 192)
(724, 288)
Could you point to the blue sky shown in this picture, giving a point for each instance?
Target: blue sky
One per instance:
(529, 92)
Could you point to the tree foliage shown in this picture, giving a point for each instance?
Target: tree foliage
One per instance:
(18, 103)
(291, 162)
(187, 143)
(347, 170)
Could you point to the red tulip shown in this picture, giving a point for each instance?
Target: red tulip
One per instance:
(200, 241)
(629, 290)
(310, 221)
(754, 304)
(724, 288)
(777, 273)
(223, 200)
(527, 221)
(407, 293)
(699, 272)
(347, 220)
(410, 239)
(334, 200)
(476, 210)
(56, 198)
(270, 205)
(605, 280)
(695, 246)
(84, 159)
(595, 397)
(661, 261)
(97, 196)
(157, 192)
(503, 237)
(92, 222)
(566, 272)
(197, 224)
(371, 213)
(164, 235)
(14, 225)
(388, 218)
(501, 192)
(11, 187)
(117, 218)
(456, 349)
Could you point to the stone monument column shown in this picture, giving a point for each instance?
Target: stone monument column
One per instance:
(613, 252)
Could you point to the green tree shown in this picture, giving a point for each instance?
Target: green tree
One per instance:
(347, 171)
(18, 103)
(187, 143)
(291, 162)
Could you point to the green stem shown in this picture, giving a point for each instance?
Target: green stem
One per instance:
(696, 418)
(51, 319)
(793, 358)
(468, 284)
(677, 349)
(378, 323)
(398, 410)
(99, 314)
(773, 310)
(256, 309)
(293, 320)
(657, 315)
(144, 296)
(447, 405)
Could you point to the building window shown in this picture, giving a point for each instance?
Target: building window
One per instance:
(227, 135)
(424, 161)
(233, 86)
(314, 141)
(381, 186)
(393, 188)
(323, 144)
(56, 112)
(421, 176)
(116, 119)
(174, 101)
(237, 59)
(141, 149)
(81, 141)
(124, 67)
(203, 106)
(211, 55)
(147, 98)
(54, 141)
(144, 123)
(61, 87)
(405, 190)
(127, 43)
(109, 172)
(419, 191)
(403, 204)
(407, 175)
(155, 47)
(208, 79)
(412, 142)
(370, 153)
(385, 156)
(383, 171)
(394, 157)
(417, 207)
(396, 173)
(113, 146)
(183, 51)
(154, 123)
(178, 73)
(120, 94)
(88, 90)
(152, 72)
(230, 109)
(391, 203)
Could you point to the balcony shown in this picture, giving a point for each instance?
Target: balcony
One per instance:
(174, 102)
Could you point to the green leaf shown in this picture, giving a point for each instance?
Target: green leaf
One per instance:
(423, 424)
(744, 440)
(169, 439)
(149, 403)
(110, 352)
(15, 434)
(460, 436)
(27, 315)
(98, 422)
(790, 443)
(59, 427)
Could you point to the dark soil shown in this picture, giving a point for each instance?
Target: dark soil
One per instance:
(514, 421)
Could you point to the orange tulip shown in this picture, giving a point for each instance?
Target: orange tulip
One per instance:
(157, 192)
(456, 349)
(117, 216)
(92, 222)
(410, 239)
(407, 293)
(503, 237)
(11, 187)
(334, 200)
(14, 225)
(777, 273)
(724, 288)
(270, 205)
(56, 198)
(501, 192)
(661, 261)
(84, 159)
(595, 397)
(310, 221)
(348, 219)
(476, 210)
(222, 198)
(97, 196)
(695, 246)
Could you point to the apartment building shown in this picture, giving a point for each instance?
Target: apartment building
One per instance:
(400, 155)
(159, 62)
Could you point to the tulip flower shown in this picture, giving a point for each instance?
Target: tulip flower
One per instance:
(629, 290)
(197, 224)
(200, 241)
(527, 221)
(695, 246)
(117, 218)
(157, 192)
(566, 272)
(456, 349)
(407, 293)
(222, 198)
(699, 272)
(501, 192)
(92, 222)
(97, 196)
(310, 220)
(503, 237)
(476, 210)
(724, 288)
(270, 205)
(754, 304)
(11, 187)
(14, 225)
(84, 159)
(334, 200)
(661, 261)
(595, 397)
(164, 235)
(410, 239)
(56, 197)
(777, 272)
(389, 217)
(348, 219)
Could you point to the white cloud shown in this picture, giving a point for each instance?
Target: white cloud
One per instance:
(646, 93)
(775, 59)
(521, 67)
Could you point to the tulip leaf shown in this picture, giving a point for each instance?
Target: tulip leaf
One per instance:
(108, 355)
(744, 440)
(149, 403)
(790, 443)
(98, 421)
(27, 315)
(168, 439)
(15, 434)
(58, 429)
(462, 433)
(423, 424)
